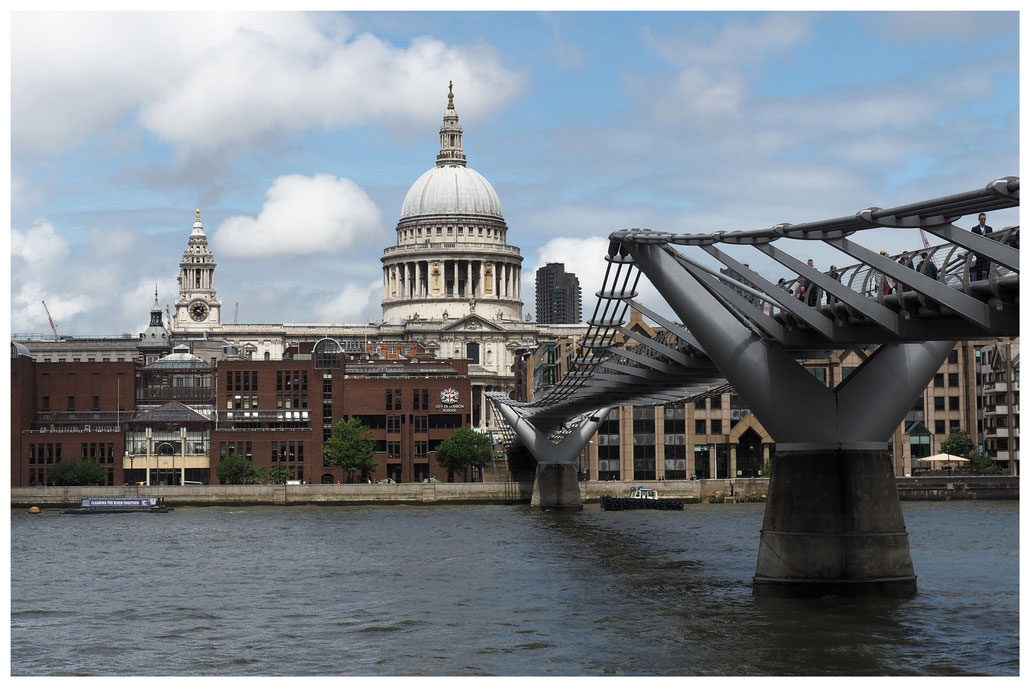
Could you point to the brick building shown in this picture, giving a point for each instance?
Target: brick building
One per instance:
(172, 420)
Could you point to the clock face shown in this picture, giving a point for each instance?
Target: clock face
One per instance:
(198, 311)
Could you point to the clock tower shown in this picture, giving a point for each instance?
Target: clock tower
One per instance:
(197, 308)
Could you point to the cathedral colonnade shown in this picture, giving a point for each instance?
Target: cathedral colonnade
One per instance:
(452, 278)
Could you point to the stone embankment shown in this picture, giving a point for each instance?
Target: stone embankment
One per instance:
(696, 491)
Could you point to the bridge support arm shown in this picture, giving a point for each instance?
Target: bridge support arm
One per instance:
(556, 486)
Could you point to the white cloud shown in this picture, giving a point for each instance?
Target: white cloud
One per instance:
(204, 80)
(355, 303)
(302, 216)
(39, 245)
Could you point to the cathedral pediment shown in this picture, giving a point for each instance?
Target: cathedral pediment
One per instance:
(473, 322)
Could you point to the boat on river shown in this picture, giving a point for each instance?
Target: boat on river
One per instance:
(640, 498)
(120, 505)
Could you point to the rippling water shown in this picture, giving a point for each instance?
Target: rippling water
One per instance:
(489, 590)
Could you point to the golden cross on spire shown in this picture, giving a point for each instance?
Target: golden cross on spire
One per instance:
(450, 95)
(198, 214)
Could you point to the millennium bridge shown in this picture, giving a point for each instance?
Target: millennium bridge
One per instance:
(833, 522)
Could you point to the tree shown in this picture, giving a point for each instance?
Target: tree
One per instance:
(958, 443)
(464, 448)
(351, 447)
(76, 473)
(978, 462)
(279, 474)
(235, 469)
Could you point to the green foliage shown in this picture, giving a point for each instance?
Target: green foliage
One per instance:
(463, 449)
(76, 473)
(958, 443)
(235, 469)
(766, 469)
(983, 465)
(351, 448)
(278, 474)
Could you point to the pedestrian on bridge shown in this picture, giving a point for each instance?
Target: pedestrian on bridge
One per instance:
(926, 266)
(835, 276)
(980, 268)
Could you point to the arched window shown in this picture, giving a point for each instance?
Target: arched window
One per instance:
(327, 353)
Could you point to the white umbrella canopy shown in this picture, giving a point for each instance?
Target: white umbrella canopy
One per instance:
(943, 458)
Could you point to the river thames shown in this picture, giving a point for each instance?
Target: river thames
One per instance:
(490, 590)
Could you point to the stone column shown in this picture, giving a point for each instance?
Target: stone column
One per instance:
(733, 461)
(468, 279)
(803, 552)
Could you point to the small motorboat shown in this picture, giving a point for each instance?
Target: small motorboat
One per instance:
(640, 498)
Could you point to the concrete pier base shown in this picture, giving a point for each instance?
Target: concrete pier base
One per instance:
(833, 527)
(556, 487)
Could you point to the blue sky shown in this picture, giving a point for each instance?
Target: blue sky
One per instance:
(298, 135)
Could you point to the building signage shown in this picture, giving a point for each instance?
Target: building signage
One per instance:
(118, 503)
(450, 404)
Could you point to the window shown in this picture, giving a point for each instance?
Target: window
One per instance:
(953, 356)
(953, 424)
(953, 379)
(716, 426)
(699, 427)
(953, 403)
(716, 402)
(938, 380)
(46, 403)
(393, 449)
(819, 373)
(421, 423)
(396, 399)
(71, 403)
(699, 404)
(938, 426)
(938, 403)
(96, 403)
(389, 399)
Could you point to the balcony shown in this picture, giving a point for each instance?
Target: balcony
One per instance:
(995, 388)
(991, 410)
(449, 247)
(996, 432)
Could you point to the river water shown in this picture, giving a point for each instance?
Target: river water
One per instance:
(490, 590)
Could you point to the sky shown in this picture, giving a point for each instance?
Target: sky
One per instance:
(297, 136)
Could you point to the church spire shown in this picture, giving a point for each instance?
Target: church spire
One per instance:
(450, 135)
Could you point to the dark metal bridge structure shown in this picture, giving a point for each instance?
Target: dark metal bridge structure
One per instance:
(833, 522)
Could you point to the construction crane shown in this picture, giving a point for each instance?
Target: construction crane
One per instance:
(52, 325)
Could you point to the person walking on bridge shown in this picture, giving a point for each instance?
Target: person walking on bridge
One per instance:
(980, 268)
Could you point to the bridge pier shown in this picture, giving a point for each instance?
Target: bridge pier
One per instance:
(556, 487)
(833, 521)
(833, 526)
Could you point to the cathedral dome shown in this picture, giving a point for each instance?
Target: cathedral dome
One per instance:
(451, 190)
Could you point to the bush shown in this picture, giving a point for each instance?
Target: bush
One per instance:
(235, 469)
(77, 473)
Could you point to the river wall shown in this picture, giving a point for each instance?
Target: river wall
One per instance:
(692, 491)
